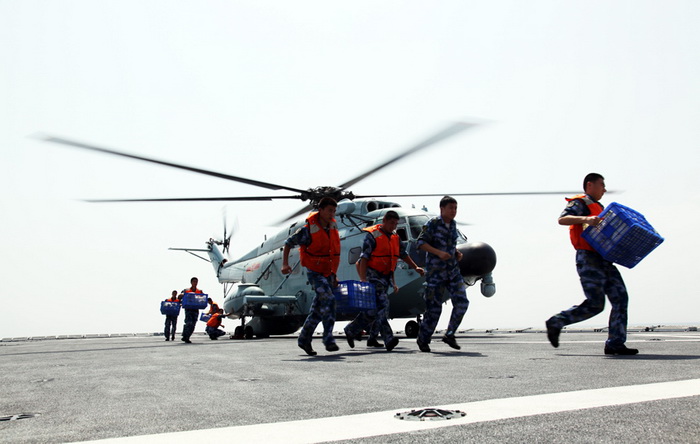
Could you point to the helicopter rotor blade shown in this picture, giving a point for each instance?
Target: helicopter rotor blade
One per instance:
(196, 199)
(75, 144)
(515, 193)
(306, 209)
(449, 131)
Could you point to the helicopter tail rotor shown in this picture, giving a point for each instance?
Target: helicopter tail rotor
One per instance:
(228, 233)
(225, 242)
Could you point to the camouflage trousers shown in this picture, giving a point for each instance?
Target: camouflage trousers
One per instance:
(598, 278)
(375, 320)
(191, 315)
(214, 332)
(170, 325)
(433, 305)
(322, 310)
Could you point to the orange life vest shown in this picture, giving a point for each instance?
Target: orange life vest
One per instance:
(386, 252)
(575, 230)
(197, 290)
(322, 255)
(214, 321)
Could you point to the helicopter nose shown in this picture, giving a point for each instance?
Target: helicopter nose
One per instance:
(478, 259)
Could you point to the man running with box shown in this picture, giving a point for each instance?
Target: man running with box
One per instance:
(598, 276)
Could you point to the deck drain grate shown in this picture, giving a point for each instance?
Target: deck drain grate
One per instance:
(430, 414)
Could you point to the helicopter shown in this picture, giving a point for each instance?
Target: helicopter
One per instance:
(277, 304)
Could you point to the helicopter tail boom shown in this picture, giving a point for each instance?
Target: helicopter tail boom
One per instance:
(216, 258)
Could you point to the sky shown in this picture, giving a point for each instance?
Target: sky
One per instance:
(311, 93)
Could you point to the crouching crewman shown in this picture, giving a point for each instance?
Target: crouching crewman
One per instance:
(213, 325)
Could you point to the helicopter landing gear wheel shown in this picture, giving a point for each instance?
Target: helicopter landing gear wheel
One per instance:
(238, 333)
(411, 329)
(248, 332)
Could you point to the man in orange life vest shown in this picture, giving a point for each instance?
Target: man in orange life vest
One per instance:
(214, 323)
(598, 276)
(213, 306)
(381, 250)
(191, 314)
(171, 320)
(320, 254)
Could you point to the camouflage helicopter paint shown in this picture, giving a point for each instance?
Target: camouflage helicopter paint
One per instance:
(278, 304)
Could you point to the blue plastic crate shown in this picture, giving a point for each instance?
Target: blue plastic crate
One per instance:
(195, 301)
(624, 236)
(354, 297)
(204, 317)
(170, 308)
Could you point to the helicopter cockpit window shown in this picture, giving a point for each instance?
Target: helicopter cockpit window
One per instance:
(416, 223)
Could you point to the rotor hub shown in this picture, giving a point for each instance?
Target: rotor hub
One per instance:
(314, 195)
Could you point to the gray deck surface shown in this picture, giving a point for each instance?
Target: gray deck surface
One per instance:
(107, 387)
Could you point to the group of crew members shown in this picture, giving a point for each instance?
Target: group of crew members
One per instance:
(319, 244)
(213, 328)
(319, 249)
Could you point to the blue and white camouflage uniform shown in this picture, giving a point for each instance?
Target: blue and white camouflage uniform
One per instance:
(382, 283)
(170, 326)
(214, 332)
(598, 278)
(191, 317)
(323, 306)
(440, 276)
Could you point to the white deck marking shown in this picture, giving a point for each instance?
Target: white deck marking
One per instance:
(384, 423)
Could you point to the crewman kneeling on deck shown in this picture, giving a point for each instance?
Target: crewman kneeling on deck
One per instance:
(381, 250)
(213, 325)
